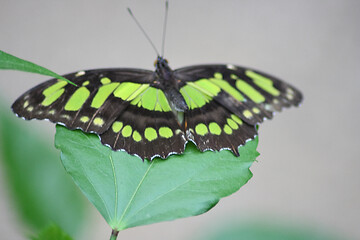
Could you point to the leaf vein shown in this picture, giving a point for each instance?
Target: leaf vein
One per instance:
(135, 192)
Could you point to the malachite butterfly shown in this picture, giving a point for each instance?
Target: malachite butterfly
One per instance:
(155, 113)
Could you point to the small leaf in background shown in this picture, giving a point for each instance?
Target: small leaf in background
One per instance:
(10, 62)
(52, 232)
(267, 230)
(129, 192)
(41, 189)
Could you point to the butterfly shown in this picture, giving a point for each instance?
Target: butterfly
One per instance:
(156, 113)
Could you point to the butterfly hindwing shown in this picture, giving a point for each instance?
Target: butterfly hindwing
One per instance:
(213, 127)
(146, 133)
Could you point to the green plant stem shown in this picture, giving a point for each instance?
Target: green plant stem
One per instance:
(114, 234)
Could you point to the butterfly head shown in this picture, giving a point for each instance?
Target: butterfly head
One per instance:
(162, 66)
(161, 62)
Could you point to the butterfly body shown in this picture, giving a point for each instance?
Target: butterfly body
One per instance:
(170, 85)
(155, 113)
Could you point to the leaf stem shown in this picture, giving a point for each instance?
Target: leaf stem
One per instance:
(114, 234)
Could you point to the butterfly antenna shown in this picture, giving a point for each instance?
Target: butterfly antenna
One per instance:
(143, 31)
(164, 29)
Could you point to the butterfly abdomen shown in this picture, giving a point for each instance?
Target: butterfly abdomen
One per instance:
(176, 100)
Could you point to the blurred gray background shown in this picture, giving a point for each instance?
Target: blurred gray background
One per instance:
(308, 170)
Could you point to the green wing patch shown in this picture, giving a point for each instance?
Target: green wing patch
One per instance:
(152, 99)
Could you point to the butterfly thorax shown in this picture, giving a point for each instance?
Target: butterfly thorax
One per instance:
(169, 84)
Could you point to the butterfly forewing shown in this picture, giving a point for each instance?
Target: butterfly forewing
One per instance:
(250, 94)
(91, 106)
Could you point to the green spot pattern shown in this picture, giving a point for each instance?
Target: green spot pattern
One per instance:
(206, 87)
(142, 95)
(136, 136)
(150, 134)
(236, 119)
(249, 91)
(152, 99)
(126, 131)
(148, 99)
(165, 132)
(200, 92)
(218, 75)
(53, 88)
(201, 129)
(77, 99)
(232, 124)
(53, 92)
(50, 98)
(84, 119)
(105, 80)
(116, 127)
(98, 121)
(126, 89)
(102, 94)
(214, 128)
(138, 91)
(163, 102)
(248, 114)
(263, 82)
(227, 129)
(224, 85)
(193, 97)
(256, 110)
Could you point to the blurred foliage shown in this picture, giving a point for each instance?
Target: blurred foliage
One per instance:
(129, 192)
(52, 232)
(42, 191)
(266, 230)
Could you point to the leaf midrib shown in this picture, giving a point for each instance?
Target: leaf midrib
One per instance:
(115, 183)
(175, 188)
(133, 196)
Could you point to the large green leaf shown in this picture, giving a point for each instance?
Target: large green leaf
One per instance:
(10, 62)
(130, 192)
(41, 190)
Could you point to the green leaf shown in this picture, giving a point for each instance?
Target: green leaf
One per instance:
(11, 62)
(41, 189)
(275, 230)
(52, 232)
(130, 192)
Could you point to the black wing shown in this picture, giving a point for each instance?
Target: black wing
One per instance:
(122, 106)
(226, 102)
